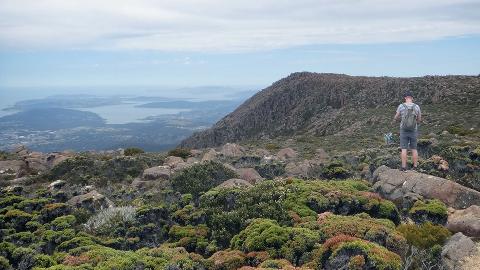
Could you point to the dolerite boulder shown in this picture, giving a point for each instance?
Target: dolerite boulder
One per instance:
(173, 161)
(232, 150)
(299, 169)
(56, 185)
(158, 172)
(250, 175)
(210, 155)
(456, 250)
(92, 201)
(286, 153)
(466, 221)
(394, 184)
(235, 183)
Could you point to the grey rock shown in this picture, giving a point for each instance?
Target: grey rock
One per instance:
(57, 184)
(287, 153)
(250, 175)
(173, 161)
(232, 150)
(393, 184)
(92, 201)
(457, 248)
(466, 221)
(299, 169)
(210, 155)
(158, 172)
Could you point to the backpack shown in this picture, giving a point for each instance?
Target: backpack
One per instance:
(409, 119)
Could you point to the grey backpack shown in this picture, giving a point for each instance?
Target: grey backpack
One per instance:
(409, 119)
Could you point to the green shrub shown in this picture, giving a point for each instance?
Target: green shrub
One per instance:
(63, 222)
(272, 146)
(201, 177)
(227, 210)
(21, 238)
(425, 235)
(4, 263)
(380, 231)
(192, 238)
(342, 251)
(79, 241)
(227, 260)
(293, 244)
(180, 152)
(42, 260)
(132, 151)
(335, 170)
(53, 210)
(434, 211)
(23, 257)
(6, 249)
(270, 170)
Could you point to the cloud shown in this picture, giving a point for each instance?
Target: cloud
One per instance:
(228, 26)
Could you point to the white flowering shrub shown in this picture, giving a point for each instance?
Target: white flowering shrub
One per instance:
(108, 220)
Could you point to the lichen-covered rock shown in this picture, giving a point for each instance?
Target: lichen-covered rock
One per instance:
(393, 184)
(235, 183)
(466, 221)
(287, 153)
(457, 248)
(91, 201)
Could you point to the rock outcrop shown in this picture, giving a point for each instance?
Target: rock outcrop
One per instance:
(91, 201)
(394, 184)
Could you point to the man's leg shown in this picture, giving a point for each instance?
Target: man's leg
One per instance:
(415, 157)
(413, 146)
(403, 156)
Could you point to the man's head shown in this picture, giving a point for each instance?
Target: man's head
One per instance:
(408, 96)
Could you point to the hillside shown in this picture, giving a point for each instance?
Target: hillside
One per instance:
(358, 108)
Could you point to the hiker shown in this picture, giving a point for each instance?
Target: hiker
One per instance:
(410, 115)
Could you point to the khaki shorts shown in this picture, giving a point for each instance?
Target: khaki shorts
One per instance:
(408, 139)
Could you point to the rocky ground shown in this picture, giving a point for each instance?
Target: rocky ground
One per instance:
(271, 206)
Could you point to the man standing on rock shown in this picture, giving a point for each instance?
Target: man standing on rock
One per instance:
(410, 115)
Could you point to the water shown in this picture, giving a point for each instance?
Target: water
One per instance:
(127, 112)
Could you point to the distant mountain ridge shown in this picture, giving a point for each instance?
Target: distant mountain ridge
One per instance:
(325, 104)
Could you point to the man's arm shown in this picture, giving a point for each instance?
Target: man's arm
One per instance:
(419, 116)
(395, 118)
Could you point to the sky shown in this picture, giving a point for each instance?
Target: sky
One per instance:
(218, 42)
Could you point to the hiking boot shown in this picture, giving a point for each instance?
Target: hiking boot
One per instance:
(403, 169)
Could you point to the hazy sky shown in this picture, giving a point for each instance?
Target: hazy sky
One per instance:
(200, 42)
